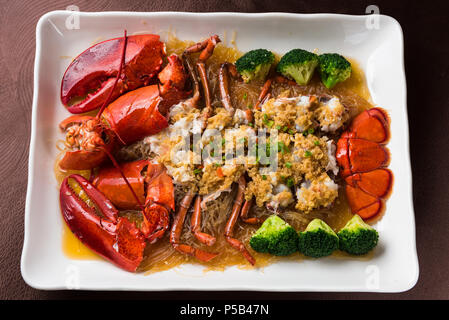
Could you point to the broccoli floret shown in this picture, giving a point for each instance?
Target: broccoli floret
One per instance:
(318, 240)
(276, 237)
(298, 65)
(255, 64)
(334, 68)
(357, 237)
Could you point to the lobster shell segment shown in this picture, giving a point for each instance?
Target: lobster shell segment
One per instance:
(372, 125)
(96, 68)
(95, 221)
(360, 155)
(156, 221)
(366, 191)
(82, 159)
(150, 182)
(111, 183)
(173, 79)
(86, 159)
(363, 204)
(136, 114)
(160, 187)
(376, 183)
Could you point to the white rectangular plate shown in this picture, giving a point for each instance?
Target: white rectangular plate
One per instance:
(377, 47)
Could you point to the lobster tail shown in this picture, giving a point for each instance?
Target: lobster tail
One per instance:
(372, 125)
(363, 157)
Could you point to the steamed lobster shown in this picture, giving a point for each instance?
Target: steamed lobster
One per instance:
(362, 155)
(90, 207)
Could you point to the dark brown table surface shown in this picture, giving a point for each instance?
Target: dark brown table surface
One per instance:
(425, 26)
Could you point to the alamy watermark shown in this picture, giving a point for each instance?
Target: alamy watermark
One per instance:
(372, 277)
(72, 280)
(373, 19)
(72, 22)
(247, 147)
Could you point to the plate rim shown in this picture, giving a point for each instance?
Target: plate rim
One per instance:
(32, 152)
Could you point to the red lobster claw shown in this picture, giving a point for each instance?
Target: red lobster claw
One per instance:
(174, 73)
(143, 112)
(131, 117)
(145, 178)
(173, 79)
(160, 186)
(159, 202)
(97, 67)
(136, 114)
(95, 221)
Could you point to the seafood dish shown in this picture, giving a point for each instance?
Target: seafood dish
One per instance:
(181, 152)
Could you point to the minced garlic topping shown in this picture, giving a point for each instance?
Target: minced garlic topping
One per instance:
(305, 156)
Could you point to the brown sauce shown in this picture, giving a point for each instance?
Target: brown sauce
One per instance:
(161, 256)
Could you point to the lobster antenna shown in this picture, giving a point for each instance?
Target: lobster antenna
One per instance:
(105, 104)
(122, 62)
(115, 163)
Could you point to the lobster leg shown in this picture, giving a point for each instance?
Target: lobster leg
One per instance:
(173, 74)
(160, 187)
(227, 69)
(194, 100)
(245, 211)
(207, 48)
(264, 94)
(95, 221)
(203, 76)
(223, 80)
(176, 231)
(229, 228)
(195, 225)
(197, 47)
(172, 78)
(284, 80)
